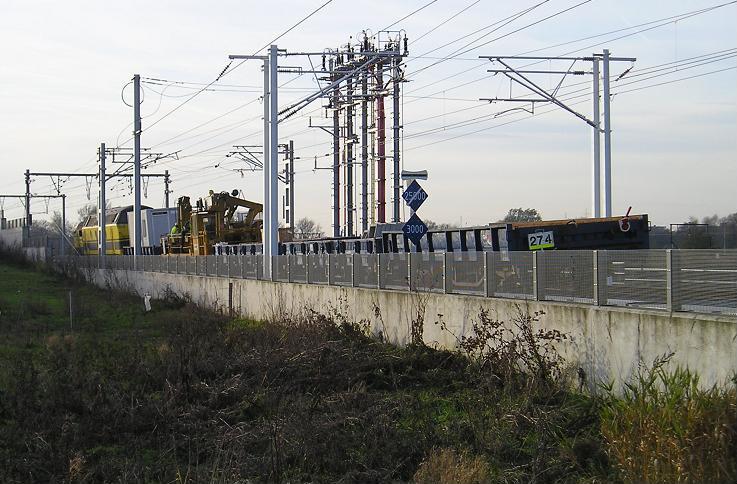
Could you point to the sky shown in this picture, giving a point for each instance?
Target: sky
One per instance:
(65, 88)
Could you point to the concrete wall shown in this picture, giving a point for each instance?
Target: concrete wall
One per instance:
(607, 343)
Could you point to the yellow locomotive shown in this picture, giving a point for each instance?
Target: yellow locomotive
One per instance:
(116, 232)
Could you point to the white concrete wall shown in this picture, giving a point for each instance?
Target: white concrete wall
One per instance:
(607, 343)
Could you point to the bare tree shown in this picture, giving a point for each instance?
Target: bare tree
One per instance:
(306, 228)
(86, 210)
(522, 215)
(431, 225)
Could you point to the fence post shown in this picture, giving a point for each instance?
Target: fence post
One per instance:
(378, 270)
(446, 270)
(409, 271)
(595, 262)
(330, 271)
(486, 274)
(535, 278)
(669, 279)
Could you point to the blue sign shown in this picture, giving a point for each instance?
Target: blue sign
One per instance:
(414, 229)
(414, 195)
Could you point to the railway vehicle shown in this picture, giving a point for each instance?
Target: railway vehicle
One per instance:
(210, 226)
(627, 232)
(116, 232)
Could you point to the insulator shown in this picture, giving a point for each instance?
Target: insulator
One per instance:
(323, 62)
(406, 46)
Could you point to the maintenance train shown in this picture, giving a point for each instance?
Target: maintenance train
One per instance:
(210, 226)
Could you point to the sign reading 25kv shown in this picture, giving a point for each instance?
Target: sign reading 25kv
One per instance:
(414, 195)
(414, 228)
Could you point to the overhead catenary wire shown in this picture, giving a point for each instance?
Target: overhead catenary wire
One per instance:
(227, 69)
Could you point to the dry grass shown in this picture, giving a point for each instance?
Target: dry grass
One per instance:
(666, 429)
(446, 466)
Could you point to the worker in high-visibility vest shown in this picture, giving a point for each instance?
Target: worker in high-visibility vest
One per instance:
(176, 229)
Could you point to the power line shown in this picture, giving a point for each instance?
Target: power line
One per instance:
(662, 22)
(444, 22)
(409, 15)
(615, 92)
(227, 70)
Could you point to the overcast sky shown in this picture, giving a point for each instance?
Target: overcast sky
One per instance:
(65, 66)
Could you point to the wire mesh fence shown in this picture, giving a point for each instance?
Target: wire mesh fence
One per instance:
(510, 275)
(394, 271)
(565, 276)
(281, 268)
(633, 278)
(702, 281)
(297, 268)
(366, 270)
(341, 269)
(465, 273)
(427, 271)
(317, 268)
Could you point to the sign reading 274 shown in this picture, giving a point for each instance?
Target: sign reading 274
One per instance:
(541, 240)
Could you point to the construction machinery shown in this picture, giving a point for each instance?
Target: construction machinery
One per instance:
(212, 221)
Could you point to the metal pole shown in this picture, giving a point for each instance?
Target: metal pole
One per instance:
(596, 178)
(63, 224)
(395, 201)
(336, 158)
(272, 224)
(28, 197)
(349, 158)
(266, 240)
(607, 140)
(136, 169)
(364, 153)
(166, 188)
(381, 142)
(101, 204)
(291, 184)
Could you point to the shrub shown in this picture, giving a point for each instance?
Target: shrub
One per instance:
(667, 429)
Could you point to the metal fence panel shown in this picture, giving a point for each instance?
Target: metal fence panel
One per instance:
(156, 263)
(297, 268)
(705, 281)
(210, 265)
(633, 278)
(341, 269)
(394, 271)
(250, 266)
(510, 275)
(566, 276)
(427, 271)
(365, 270)
(465, 273)
(221, 263)
(317, 268)
(147, 263)
(234, 266)
(281, 268)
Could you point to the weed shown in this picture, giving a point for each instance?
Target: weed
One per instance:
(665, 428)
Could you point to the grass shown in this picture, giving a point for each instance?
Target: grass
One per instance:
(666, 428)
(186, 395)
